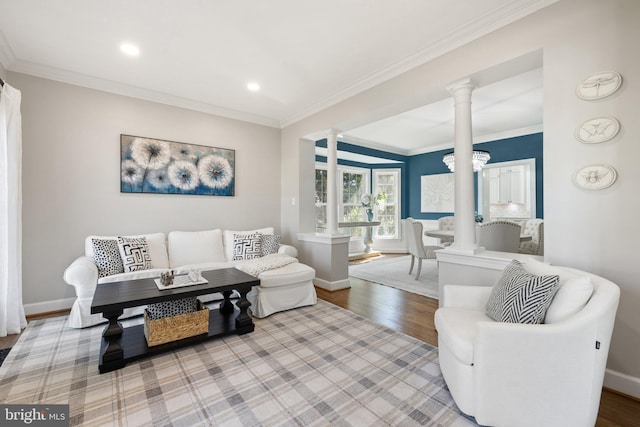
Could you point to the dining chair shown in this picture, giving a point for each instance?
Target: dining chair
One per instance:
(417, 248)
(446, 223)
(502, 236)
(535, 228)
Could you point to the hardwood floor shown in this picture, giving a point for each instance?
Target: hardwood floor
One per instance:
(413, 315)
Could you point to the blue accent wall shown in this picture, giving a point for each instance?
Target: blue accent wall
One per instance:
(504, 150)
(413, 167)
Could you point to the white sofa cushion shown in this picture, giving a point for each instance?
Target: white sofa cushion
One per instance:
(573, 292)
(571, 297)
(457, 330)
(228, 236)
(286, 275)
(195, 247)
(134, 275)
(156, 245)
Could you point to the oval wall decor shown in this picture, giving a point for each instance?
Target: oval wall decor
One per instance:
(599, 85)
(598, 130)
(595, 177)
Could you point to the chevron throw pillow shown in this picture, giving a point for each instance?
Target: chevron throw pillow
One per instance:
(521, 297)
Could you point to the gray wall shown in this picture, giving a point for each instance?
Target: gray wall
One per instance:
(71, 175)
(594, 231)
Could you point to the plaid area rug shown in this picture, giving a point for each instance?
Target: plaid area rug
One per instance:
(314, 366)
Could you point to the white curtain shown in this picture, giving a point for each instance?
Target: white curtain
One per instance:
(12, 318)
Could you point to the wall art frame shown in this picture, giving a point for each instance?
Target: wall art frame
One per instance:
(599, 85)
(597, 130)
(437, 193)
(149, 165)
(595, 177)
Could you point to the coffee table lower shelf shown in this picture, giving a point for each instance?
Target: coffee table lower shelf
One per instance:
(134, 344)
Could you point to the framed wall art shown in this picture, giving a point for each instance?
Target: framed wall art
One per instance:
(150, 165)
(437, 193)
(595, 177)
(598, 130)
(599, 85)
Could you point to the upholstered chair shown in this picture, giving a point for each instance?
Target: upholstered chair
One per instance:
(417, 249)
(503, 236)
(446, 223)
(534, 228)
(529, 375)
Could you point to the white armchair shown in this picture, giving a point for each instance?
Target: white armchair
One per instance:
(509, 374)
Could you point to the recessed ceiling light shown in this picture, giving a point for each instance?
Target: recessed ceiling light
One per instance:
(129, 49)
(253, 87)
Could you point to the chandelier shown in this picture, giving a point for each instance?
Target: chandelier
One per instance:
(480, 158)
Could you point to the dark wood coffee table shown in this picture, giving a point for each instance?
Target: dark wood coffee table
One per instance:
(121, 345)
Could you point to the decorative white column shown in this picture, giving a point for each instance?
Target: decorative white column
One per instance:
(332, 187)
(328, 253)
(465, 227)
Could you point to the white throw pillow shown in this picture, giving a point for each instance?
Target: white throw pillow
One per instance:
(134, 252)
(227, 237)
(156, 246)
(195, 247)
(571, 297)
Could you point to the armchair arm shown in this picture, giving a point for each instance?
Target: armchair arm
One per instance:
(288, 250)
(470, 297)
(83, 275)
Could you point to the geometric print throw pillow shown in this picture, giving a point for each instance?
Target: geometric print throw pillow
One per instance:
(134, 252)
(521, 297)
(172, 308)
(107, 257)
(247, 246)
(270, 244)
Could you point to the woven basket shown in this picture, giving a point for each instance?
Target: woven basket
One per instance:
(167, 329)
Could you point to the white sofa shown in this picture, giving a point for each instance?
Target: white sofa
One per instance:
(282, 288)
(513, 374)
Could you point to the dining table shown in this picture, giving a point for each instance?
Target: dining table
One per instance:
(443, 234)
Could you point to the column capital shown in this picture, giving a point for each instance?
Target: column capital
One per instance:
(333, 132)
(461, 86)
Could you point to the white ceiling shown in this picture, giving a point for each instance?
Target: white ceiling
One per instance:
(306, 55)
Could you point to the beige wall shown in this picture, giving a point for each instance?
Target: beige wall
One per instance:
(71, 174)
(594, 231)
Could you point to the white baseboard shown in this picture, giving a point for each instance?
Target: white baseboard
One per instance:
(47, 306)
(622, 382)
(332, 286)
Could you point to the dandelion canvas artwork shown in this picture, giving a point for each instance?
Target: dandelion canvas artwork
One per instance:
(156, 166)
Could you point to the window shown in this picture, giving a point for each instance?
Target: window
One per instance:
(355, 182)
(387, 181)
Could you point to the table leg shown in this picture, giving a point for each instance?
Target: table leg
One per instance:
(368, 239)
(113, 356)
(226, 306)
(244, 320)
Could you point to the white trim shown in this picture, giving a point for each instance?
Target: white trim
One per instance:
(623, 383)
(398, 190)
(47, 306)
(491, 21)
(326, 239)
(332, 286)
(91, 82)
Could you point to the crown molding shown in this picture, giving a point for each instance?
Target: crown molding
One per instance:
(482, 26)
(513, 133)
(6, 54)
(83, 80)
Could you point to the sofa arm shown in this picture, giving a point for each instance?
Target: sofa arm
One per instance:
(288, 250)
(83, 275)
(470, 297)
